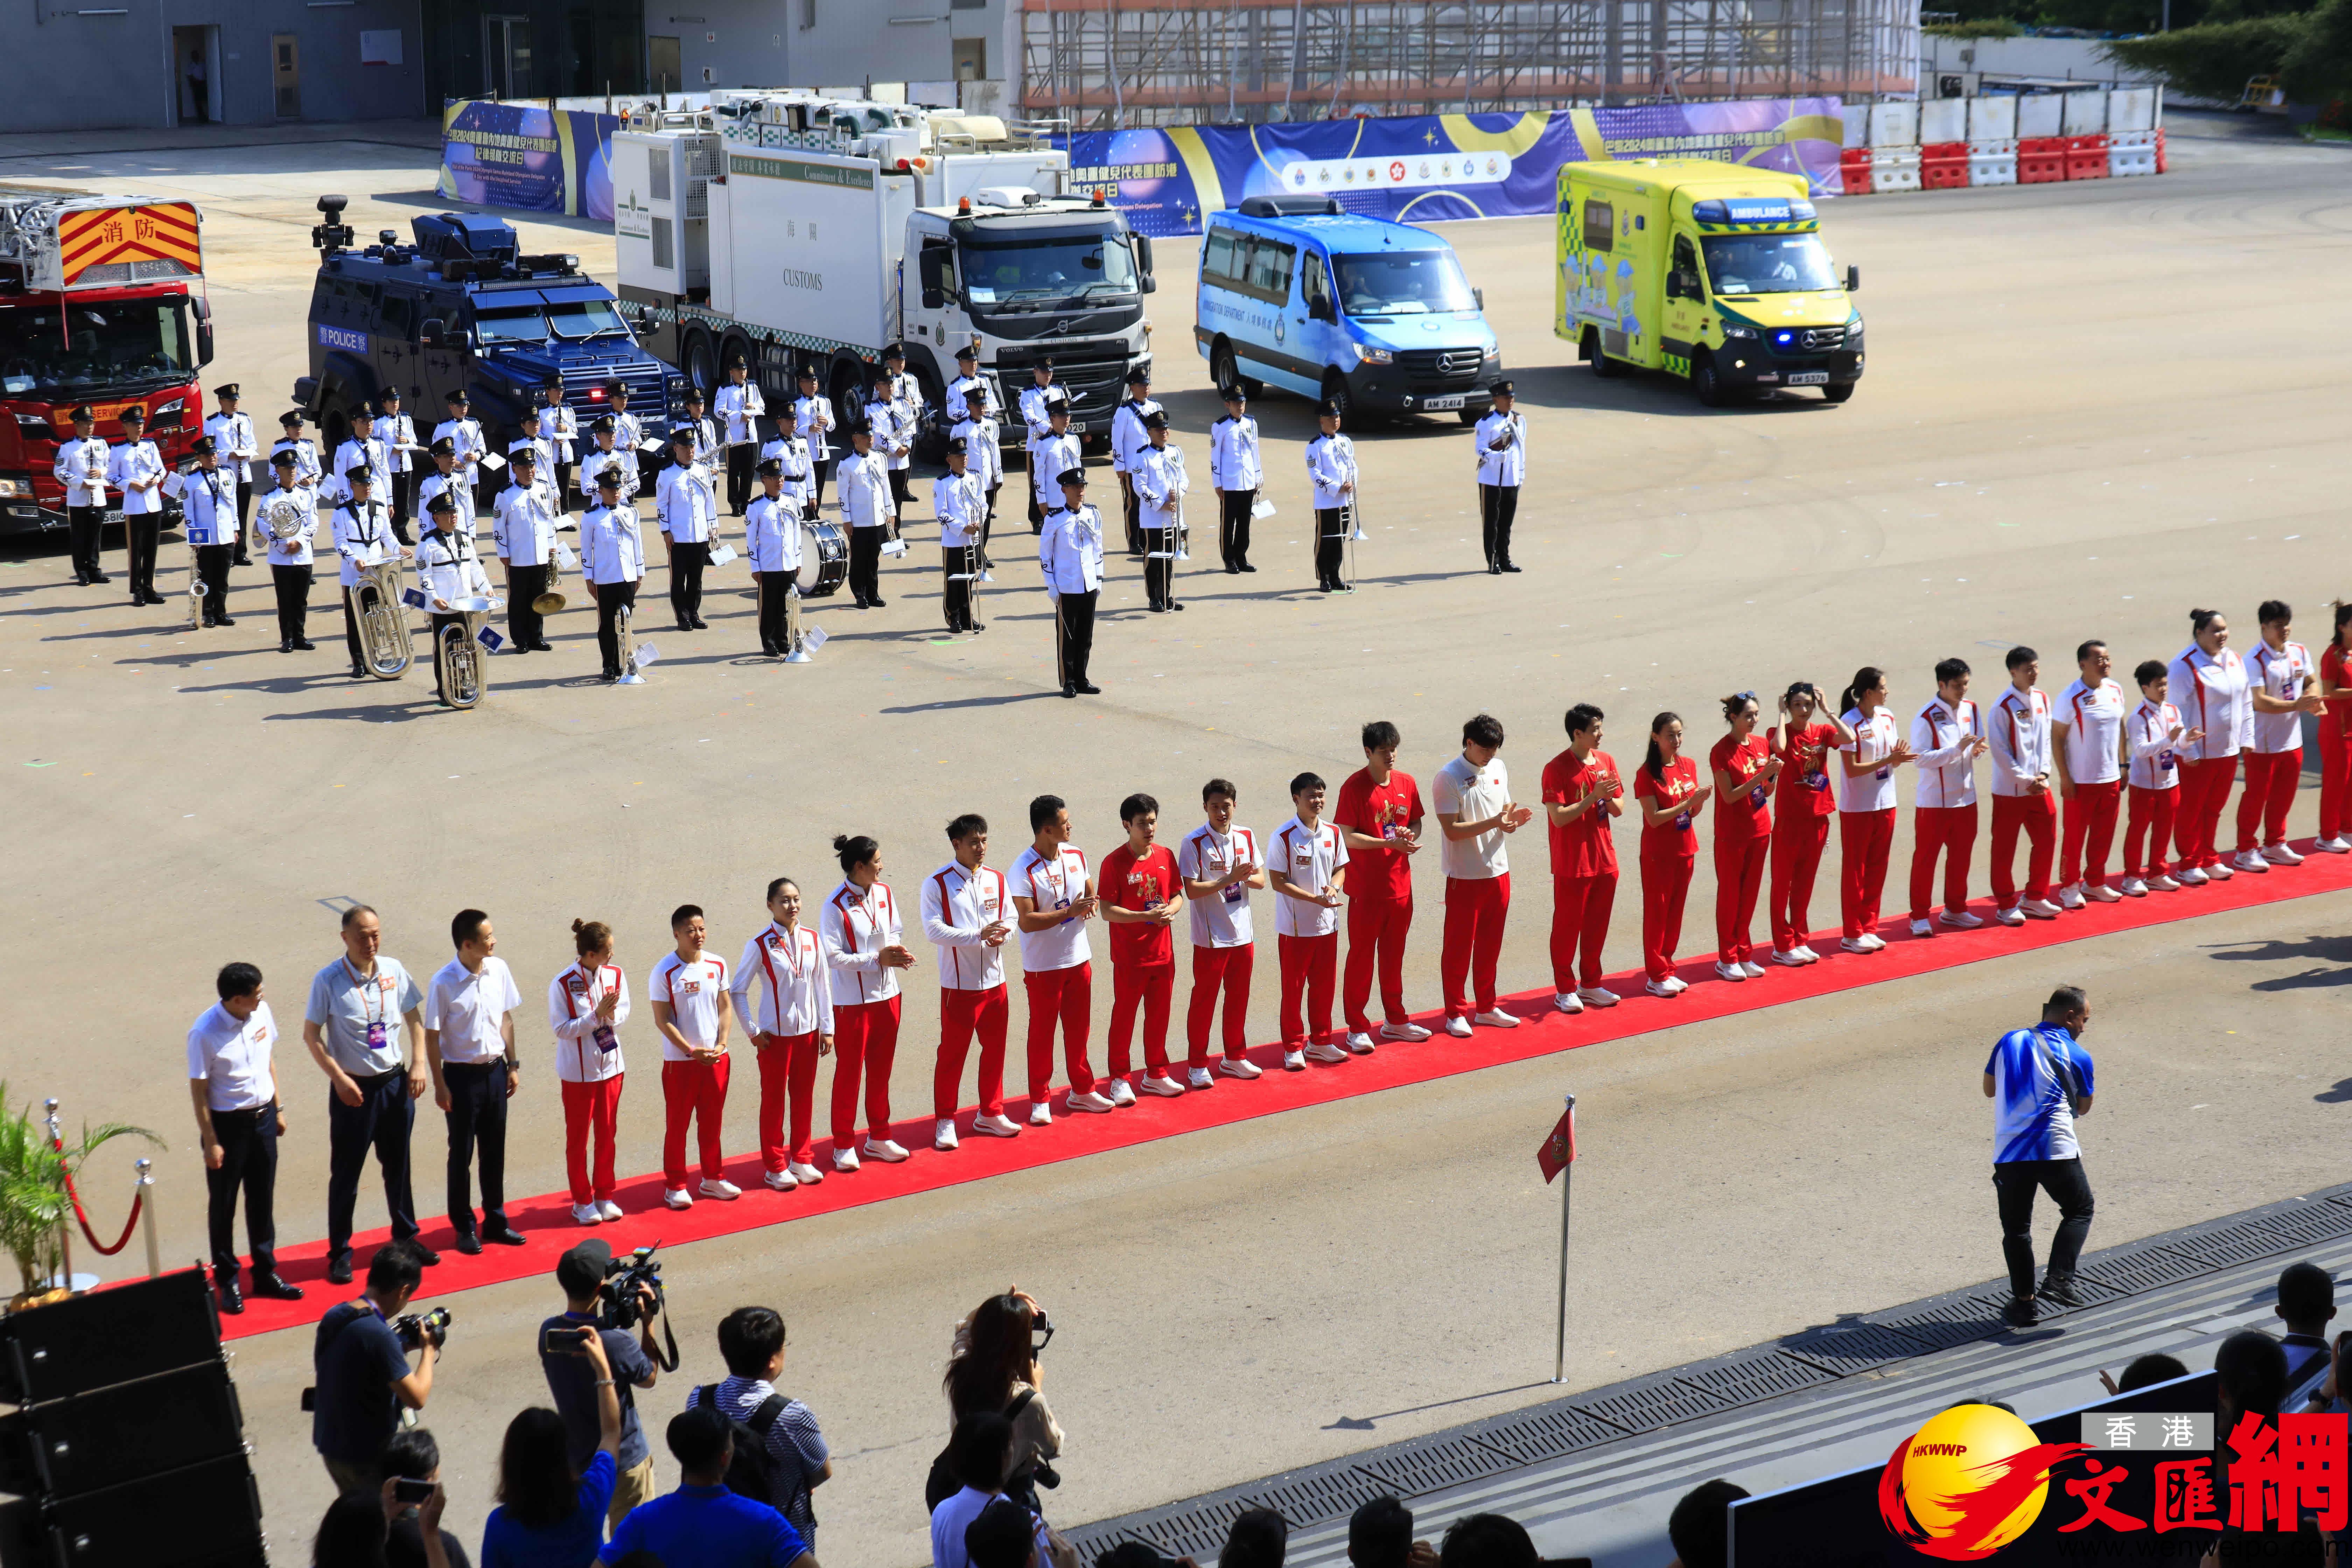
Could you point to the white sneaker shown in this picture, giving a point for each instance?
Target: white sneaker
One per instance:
(1238, 1067)
(1294, 1061)
(784, 1181)
(2102, 894)
(607, 1209)
(1791, 959)
(2070, 897)
(2250, 860)
(1961, 919)
(1805, 952)
(2220, 871)
(943, 1136)
(585, 1213)
(1198, 1078)
(1092, 1103)
(1122, 1094)
(1678, 982)
(1567, 1002)
(1359, 1042)
(2189, 877)
(1404, 1032)
(679, 1199)
(2162, 883)
(2011, 916)
(1325, 1051)
(890, 1150)
(720, 1188)
(1656, 988)
(1596, 996)
(1750, 968)
(1041, 1115)
(2040, 910)
(2281, 855)
(845, 1160)
(2133, 888)
(808, 1176)
(1923, 928)
(1875, 941)
(2339, 845)
(1854, 945)
(1731, 971)
(1495, 1018)
(1458, 1027)
(997, 1126)
(1161, 1084)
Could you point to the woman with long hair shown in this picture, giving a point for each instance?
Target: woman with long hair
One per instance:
(1868, 759)
(993, 1366)
(2336, 736)
(1801, 742)
(1668, 792)
(862, 938)
(551, 1513)
(586, 1005)
(1744, 769)
(2207, 681)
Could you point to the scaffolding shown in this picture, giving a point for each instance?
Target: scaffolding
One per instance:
(1112, 64)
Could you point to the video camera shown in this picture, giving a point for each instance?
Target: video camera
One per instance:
(417, 1329)
(617, 1299)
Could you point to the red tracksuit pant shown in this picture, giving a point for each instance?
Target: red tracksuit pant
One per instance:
(1376, 932)
(1949, 831)
(1063, 996)
(2204, 791)
(1865, 839)
(2271, 778)
(1665, 889)
(865, 1044)
(1151, 988)
(590, 1109)
(2035, 816)
(1475, 907)
(1579, 925)
(692, 1092)
(2334, 739)
(1797, 839)
(962, 1015)
(2148, 829)
(1215, 969)
(2089, 834)
(1739, 878)
(1310, 973)
(787, 1083)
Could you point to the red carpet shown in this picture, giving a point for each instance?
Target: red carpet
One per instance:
(548, 1221)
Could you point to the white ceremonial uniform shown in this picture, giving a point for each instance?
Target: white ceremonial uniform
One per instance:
(558, 425)
(2154, 763)
(448, 570)
(1308, 857)
(2285, 673)
(525, 530)
(1509, 466)
(738, 409)
(75, 460)
(137, 460)
(434, 483)
(1070, 551)
(362, 535)
(1128, 435)
(299, 548)
(1161, 483)
(592, 466)
(894, 431)
(1036, 410)
(963, 383)
(467, 435)
(1331, 465)
(961, 505)
(2214, 694)
(854, 925)
(1053, 457)
(349, 455)
(1232, 454)
(628, 431)
(787, 964)
(208, 506)
(812, 421)
(706, 437)
(611, 545)
(2093, 719)
(306, 457)
(587, 1049)
(1222, 919)
(862, 482)
(397, 433)
(1051, 882)
(234, 440)
(773, 529)
(982, 454)
(2019, 729)
(686, 503)
(800, 475)
(958, 905)
(697, 999)
(1940, 734)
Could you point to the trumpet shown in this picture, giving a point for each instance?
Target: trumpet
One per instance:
(622, 619)
(385, 648)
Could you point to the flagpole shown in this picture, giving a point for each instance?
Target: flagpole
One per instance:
(1567, 1181)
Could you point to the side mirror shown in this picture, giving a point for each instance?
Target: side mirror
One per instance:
(204, 340)
(1147, 284)
(1143, 256)
(1320, 310)
(1478, 299)
(1853, 280)
(930, 266)
(430, 335)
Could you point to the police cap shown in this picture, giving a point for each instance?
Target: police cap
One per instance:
(602, 423)
(968, 352)
(896, 352)
(83, 411)
(1502, 388)
(955, 446)
(442, 502)
(1328, 409)
(809, 373)
(771, 467)
(455, 398)
(1234, 394)
(1155, 420)
(204, 446)
(134, 415)
(388, 396)
(281, 459)
(1138, 377)
(1071, 479)
(611, 478)
(291, 420)
(359, 474)
(616, 388)
(445, 447)
(227, 391)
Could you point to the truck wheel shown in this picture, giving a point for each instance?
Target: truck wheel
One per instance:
(1706, 382)
(1602, 366)
(1226, 371)
(700, 364)
(1839, 394)
(1335, 390)
(1467, 415)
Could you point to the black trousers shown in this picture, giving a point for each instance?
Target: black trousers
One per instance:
(988, 524)
(1159, 575)
(244, 515)
(213, 561)
(2014, 1183)
(1037, 502)
(248, 1142)
(777, 617)
(1234, 526)
(610, 598)
(351, 629)
(685, 563)
(293, 585)
(901, 491)
(1497, 505)
(564, 482)
(1073, 634)
(955, 560)
(525, 625)
(478, 1123)
(1132, 506)
(740, 461)
(382, 1121)
(85, 536)
(1330, 542)
(818, 468)
(865, 564)
(404, 502)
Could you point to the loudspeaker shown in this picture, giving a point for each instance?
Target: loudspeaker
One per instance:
(201, 1516)
(70, 1347)
(65, 1447)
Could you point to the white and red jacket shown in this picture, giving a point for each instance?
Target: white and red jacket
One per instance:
(2149, 732)
(1941, 733)
(854, 926)
(573, 998)
(2019, 730)
(959, 903)
(2286, 674)
(2093, 717)
(799, 996)
(2212, 692)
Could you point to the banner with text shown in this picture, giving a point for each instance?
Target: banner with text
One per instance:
(530, 159)
(1429, 168)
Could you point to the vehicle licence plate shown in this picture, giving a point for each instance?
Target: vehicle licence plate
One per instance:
(1808, 378)
(1077, 427)
(1439, 405)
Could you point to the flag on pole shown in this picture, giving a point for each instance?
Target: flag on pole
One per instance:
(1559, 1151)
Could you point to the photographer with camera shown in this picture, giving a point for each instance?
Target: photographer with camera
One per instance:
(360, 1360)
(411, 1491)
(631, 1363)
(792, 1460)
(993, 1367)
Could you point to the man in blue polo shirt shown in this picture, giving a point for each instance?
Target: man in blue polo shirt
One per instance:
(2039, 1080)
(702, 1524)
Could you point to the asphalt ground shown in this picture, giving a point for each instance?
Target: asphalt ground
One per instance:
(2088, 408)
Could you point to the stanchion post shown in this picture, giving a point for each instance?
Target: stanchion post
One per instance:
(65, 1226)
(145, 1197)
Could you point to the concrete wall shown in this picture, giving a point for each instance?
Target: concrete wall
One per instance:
(810, 43)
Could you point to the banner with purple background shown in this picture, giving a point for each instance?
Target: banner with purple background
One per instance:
(530, 159)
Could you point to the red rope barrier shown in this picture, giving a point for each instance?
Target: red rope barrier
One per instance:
(137, 1200)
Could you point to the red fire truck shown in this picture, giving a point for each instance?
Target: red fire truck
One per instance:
(100, 303)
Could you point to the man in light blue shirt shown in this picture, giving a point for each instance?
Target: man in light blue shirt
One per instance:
(363, 1007)
(2039, 1080)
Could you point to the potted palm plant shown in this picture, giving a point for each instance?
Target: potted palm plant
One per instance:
(34, 1205)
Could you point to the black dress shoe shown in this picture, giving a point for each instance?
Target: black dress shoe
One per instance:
(303, 645)
(424, 1254)
(1508, 567)
(1089, 689)
(878, 600)
(978, 626)
(272, 1287)
(231, 1300)
(2060, 1289)
(1495, 569)
(505, 1235)
(339, 1271)
(2021, 1312)
(226, 621)
(699, 625)
(1247, 567)
(1069, 689)
(1233, 570)
(683, 625)
(770, 650)
(1174, 606)
(285, 645)
(100, 577)
(358, 674)
(471, 1246)
(1157, 609)
(542, 645)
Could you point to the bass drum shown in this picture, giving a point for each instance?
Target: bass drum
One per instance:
(824, 559)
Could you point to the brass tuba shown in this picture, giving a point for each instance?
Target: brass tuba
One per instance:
(384, 647)
(459, 648)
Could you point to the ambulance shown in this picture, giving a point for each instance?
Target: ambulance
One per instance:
(1711, 271)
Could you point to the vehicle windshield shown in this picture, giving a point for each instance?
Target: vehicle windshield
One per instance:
(1768, 264)
(1403, 282)
(1042, 272)
(586, 319)
(511, 324)
(112, 344)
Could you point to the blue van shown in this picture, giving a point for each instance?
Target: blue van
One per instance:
(1375, 315)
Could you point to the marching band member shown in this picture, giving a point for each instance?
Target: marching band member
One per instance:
(613, 558)
(2154, 734)
(983, 456)
(2090, 778)
(2018, 733)
(862, 939)
(136, 470)
(813, 422)
(1156, 482)
(739, 407)
(586, 1005)
(892, 422)
(704, 430)
(1744, 769)
(231, 434)
(445, 479)
(790, 452)
(789, 1029)
(1071, 553)
(397, 432)
(908, 389)
(1948, 736)
(1235, 472)
(689, 993)
(559, 427)
(462, 429)
(772, 530)
(1667, 792)
(1871, 753)
(208, 512)
(448, 570)
(81, 466)
(1331, 466)
(2209, 685)
(1036, 410)
(1801, 827)
(544, 450)
(1583, 794)
(1502, 469)
(625, 425)
(965, 911)
(1472, 794)
(290, 556)
(1220, 864)
(2279, 687)
(1053, 899)
(962, 510)
(968, 377)
(1058, 448)
(361, 527)
(867, 511)
(307, 468)
(686, 504)
(1127, 438)
(1141, 893)
(1380, 812)
(360, 450)
(608, 454)
(1306, 861)
(525, 536)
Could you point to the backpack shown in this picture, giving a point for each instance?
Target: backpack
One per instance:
(1021, 1487)
(756, 1473)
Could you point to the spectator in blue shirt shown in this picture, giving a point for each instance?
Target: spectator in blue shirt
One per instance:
(2039, 1080)
(702, 1524)
(580, 1273)
(551, 1514)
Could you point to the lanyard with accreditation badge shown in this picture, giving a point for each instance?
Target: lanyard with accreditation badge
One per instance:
(373, 989)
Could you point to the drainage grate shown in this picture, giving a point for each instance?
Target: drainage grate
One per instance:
(1953, 1321)
(2134, 1268)
(1848, 1348)
(2305, 1224)
(1755, 1375)
(1416, 1469)
(1310, 1497)
(1648, 1403)
(2221, 1245)
(1545, 1434)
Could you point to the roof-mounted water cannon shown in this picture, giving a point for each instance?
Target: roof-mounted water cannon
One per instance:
(334, 235)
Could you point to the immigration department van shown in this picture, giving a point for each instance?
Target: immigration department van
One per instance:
(1376, 316)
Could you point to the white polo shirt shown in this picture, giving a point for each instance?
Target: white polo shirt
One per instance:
(232, 1055)
(1873, 741)
(1054, 882)
(2285, 673)
(1472, 794)
(959, 903)
(1307, 855)
(466, 1004)
(1221, 920)
(697, 993)
(2093, 719)
(799, 999)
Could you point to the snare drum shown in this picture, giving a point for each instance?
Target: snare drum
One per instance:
(824, 559)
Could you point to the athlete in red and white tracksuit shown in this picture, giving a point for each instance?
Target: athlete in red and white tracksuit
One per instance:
(1052, 894)
(790, 1027)
(2152, 734)
(1306, 860)
(2208, 682)
(1220, 863)
(2017, 730)
(967, 911)
(588, 1065)
(1801, 809)
(2279, 676)
(1867, 812)
(864, 942)
(2089, 716)
(1948, 736)
(2334, 739)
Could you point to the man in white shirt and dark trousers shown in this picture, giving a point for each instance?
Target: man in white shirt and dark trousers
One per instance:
(238, 1123)
(1127, 438)
(525, 535)
(448, 570)
(559, 427)
(1156, 477)
(1071, 553)
(814, 422)
(1236, 473)
(1471, 798)
(470, 1047)
(2089, 759)
(1053, 899)
(771, 532)
(1502, 469)
(81, 466)
(361, 529)
(136, 469)
(891, 419)
(983, 455)
(1331, 468)
(962, 511)
(686, 501)
(462, 429)
(613, 558)
(967, 909)
(2019, 730)
(397, 432)
(1036, 409)
(739, 407)
(292, 555)
(867, 513)
(208, 511)
(233, 437)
